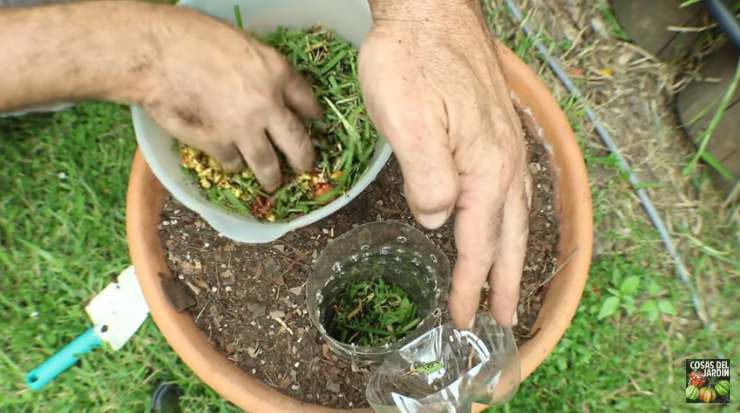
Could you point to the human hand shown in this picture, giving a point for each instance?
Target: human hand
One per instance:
(221, 91)
(205, 82)
(433, 86)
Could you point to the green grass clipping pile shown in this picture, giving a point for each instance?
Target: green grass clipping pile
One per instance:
(372, 313)
(344, 139)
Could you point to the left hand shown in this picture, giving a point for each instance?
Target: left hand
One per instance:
(433, 86)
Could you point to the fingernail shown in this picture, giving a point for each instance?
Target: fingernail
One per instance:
(514, 319)
(433, 221)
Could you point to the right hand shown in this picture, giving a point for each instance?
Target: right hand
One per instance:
(434, 87)
(219, 90)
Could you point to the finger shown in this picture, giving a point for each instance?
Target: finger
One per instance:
(477, 232)
(299, 96)
(261, 159)
(419, 137)
(507, 270)
(296, 90)
(430, 184)
(429, 172)
(290, 137)
(227, 155)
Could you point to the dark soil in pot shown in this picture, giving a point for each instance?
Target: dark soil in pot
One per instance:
(249, 299)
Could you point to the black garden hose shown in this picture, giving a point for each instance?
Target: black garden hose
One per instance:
(726, 19)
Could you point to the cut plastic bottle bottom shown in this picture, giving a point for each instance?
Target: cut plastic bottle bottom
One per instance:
(448, 370)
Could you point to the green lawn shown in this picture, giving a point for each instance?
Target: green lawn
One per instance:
(62, 236)
(62, 233)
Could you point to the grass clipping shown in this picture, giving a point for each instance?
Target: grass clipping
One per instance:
(344, 139)
(372, 313)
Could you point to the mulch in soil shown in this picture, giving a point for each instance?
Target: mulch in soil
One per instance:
(249, 299)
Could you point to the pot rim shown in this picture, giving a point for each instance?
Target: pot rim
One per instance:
(146, 197)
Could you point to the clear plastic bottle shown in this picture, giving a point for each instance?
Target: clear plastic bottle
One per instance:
(399, 254)
(436, 367)
(448, 370)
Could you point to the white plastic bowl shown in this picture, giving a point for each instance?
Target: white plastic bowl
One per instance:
(350, 19)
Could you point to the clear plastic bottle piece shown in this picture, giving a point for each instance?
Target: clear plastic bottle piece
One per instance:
(400, 254)
(448, 370)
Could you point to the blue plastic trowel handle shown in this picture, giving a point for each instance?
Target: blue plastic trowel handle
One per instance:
(63, 359)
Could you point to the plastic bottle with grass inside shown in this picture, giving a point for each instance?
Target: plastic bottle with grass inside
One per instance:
(435, 367)
(399, 254)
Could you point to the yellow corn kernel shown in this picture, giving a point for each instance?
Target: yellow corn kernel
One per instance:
(212, 163)
(238, 192)
(270, 217)
(206, 184)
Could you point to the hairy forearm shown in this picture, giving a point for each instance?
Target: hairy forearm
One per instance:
(72, 52)
(425, 10)
(457, 18)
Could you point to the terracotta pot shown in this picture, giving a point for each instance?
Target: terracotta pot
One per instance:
(146, 197)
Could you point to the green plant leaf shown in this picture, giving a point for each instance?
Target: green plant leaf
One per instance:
(653, 315)
(610, 306)
(650, 309)
(649, 305)
(234, 202)
(666, 307)
(717, 165)
(613, 291)
(629, 305)
(653, 288)
(238, 17)
(373, 312)
(706, 135)
(616, 276)
(629, 285)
